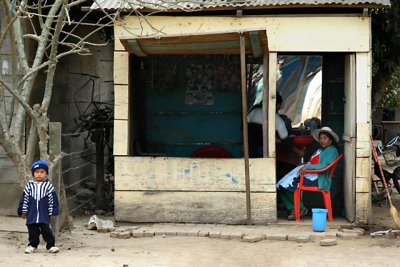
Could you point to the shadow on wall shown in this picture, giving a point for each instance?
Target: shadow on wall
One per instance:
(10, 190)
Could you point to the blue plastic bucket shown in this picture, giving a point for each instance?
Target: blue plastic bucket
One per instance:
(319, 220)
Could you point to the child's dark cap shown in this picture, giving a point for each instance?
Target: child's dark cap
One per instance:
(40, 164)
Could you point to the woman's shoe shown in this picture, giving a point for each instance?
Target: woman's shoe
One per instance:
(303, 212)
(291, 216)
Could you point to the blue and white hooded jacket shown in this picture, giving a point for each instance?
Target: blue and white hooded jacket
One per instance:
(39, 201)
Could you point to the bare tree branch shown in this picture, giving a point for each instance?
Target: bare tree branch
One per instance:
(54, 29)
(17, 96)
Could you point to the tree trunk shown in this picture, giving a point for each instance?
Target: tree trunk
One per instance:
(380, 82)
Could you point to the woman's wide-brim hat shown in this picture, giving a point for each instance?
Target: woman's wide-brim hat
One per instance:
(325, 129)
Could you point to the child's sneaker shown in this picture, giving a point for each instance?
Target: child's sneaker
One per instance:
(29, 249)
(54, 250)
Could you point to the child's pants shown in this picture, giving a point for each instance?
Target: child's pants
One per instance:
(35, 230)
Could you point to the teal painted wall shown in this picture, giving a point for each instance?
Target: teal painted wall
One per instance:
(182, 103)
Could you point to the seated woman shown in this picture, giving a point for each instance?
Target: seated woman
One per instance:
(325, 155)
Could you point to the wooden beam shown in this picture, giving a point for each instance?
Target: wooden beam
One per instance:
(212, 43)
(264, 7)
(312, 33)
(255, 43)
(270, 60)
(244, 121)
(136, 49)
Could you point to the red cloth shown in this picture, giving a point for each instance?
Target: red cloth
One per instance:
(314, 159)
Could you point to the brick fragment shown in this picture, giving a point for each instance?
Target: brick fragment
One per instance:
(347, 236)
(225, 236)
(235, 236)
(131, 228)
(277, 237)
(303, 239)
(114, 234)
(124, 235)
(328, 242)
(358, 231)
(294, 237)
(148, 233)
(204, 233)
(214, 234)
(159, 233)
(193, 233)
(252, 238)
(181, 233)
(137, 233)
(170, 233)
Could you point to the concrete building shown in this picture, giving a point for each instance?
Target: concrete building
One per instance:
(157, 128)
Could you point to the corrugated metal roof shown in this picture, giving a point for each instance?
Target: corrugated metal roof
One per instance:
(131, 5)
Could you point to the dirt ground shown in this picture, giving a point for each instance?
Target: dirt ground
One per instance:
(89, 248)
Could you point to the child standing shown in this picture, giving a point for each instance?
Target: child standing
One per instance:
(37, 205)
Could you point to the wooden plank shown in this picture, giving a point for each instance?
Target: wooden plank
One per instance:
(271, 98)
(212, 43)
(363, 167)
(291, 34)
(266, 104)
(264, 42)
(349, 184)
(121, 102)
(121, 67)
(244, 125)
(369, 86)
(195, 51)
(136, 49)
(193, 207)
(189, 38)
(350, 94)
(363, 90)
(255, 44)
(193, 174)
(121, 139)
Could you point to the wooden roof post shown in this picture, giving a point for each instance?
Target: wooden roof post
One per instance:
(266, 108)
(244, 121)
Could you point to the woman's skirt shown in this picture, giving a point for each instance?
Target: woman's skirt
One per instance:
(291, 180)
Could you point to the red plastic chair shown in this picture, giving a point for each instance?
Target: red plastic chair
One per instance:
(326, 195)
(211, 152)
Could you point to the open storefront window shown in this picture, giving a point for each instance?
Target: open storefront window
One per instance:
(299, 94)
(300, 85)
(299, 82)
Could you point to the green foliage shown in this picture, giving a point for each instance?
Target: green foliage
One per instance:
(391, 98)
(386, 55)
(386, 37)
